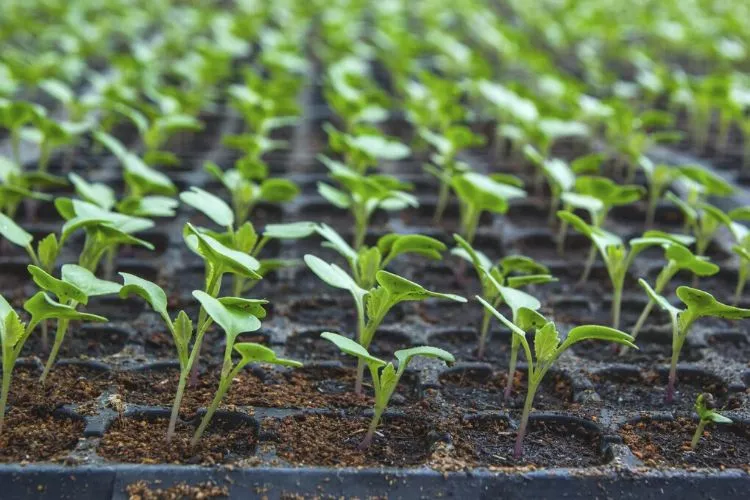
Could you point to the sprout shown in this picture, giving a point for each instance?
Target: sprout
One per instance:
(512, 272)
(157, 133)
(548, 346)
(702, 220)
(235, 316)
(76, 287)
(479, 193)
(707, 415)
(560, 177)
(659, 178)
(17, 185)
(372, 305)
(699, 304)
(617, 258)
(385, 377)
(363, 194)
(364, 150)
(14, 115)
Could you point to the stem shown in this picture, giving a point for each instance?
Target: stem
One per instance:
(484, 330)
(442, 201)
(15, 141)
(561, 235)
(589, 264)
(518, 449)
(176, 404)
(676, 348)
(653, 199)
(511, 368)
(360, 376)
(367, 441)
(616, 305)
(7, 373)
(554, 202)
(45, 337)
(698, 434)
(62, 328)
(741, 279)
(223, 388)
(471, 222)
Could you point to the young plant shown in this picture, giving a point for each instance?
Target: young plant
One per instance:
(235, 316)
(707, 415)
(385, 377)
(548, 346)
(372, 305)
(363, 194)
(14, 116)
(659, 178)
(365, 150)
(679, 258)
(14, 333)
(703, 220)
(616, 256)
(17, 186)
(514, 271)
(478, 193)
(698, 304)
(75, 287)
(560, 177)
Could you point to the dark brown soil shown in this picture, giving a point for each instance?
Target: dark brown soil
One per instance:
(141, 440)
(663, 443)
(480, 391)
(488, 442)
(647, 389)
(66, 384)
(32, 437)
(142, 490)
(308, 345)
(331, 440)
(648, 352)
(463, 345)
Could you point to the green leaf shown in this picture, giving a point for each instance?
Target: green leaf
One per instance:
(47, 251)
(211, 205)
(402, 289)
(380, 147)
(63, 289)
(529, 279)
(662, 302)
(278, 190)
(13, 232)
(5, 307)
(333, 275)
(701, 304)
(183, 329)
(515, 330)
(392, 245)
(546, 341)
(87, 282)
(334, 196)
(249, 306)
(41, 307)
(522, 264)
(290, 230)
(149, 206)
(224, 257)
(234, 320)
(256, 353)
(685, 259)
(348, 346)
(404, 356)
(609, 192)
(690, 213)
(711, 184)
(93, 192)
(336, 242)
(588, 164)
(484, 193)
(11, 330)
(147, 290)
(467, 252)
(597, 332)
(582, 201)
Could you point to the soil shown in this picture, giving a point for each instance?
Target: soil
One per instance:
(479, 390)
(31, 436)
(463, 345)
(489, 442)
(332, 441)
(133, 440)
(142, 490)
(308, 345)
(734, 346)
(648, 353)
(666, 443)
(66, 384)
(87, 341)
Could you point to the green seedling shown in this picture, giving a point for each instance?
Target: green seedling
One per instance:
(679, 258)
(548, 346)
(512, 272)
(659, 178)
(372, 305)
(249, 184)
(49, 135)
(14, 333)
(75, 287)
(479, 193)
(100, 194)
(444, 165)
(366, 262)
(365, 150)
(14, 116)
(560, 177)
(235, 316)
(17, 185)
(616, 256)
(703, 221)
(744, 269)
(707, 415)
(698, 304)
(385, 377)
(157, 133)
(363, 194)
(245, 239)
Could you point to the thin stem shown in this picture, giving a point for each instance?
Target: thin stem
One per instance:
(589, 264)
(471, 222)
(511, 368)
(62, 328)
(442, 201)
(676, 348)
(741, 280)
(7, 374)
(176, 404)
(616, 305)
(698, 434)
(367, 441)
(484, 330)
(220, 393)
(561, 235)
(553, 204)
(518, 449)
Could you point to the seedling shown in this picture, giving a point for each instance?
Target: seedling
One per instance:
(707, 415)
(659, 178)
(158, 131)
(245, 239)
(249, 184)
(365, 150)
(14, 333)
(385, 377)
(137, 206)
(548, 346)
(366, 262)
(363, 194)
(703, 221)
(76, 286)
(679, 258)
(17, 186)
(235, 316)
(512, 272)
(616, 256)
(373, 304)
(699, 304)
(560, 177)
(479, 193)
(14, 115)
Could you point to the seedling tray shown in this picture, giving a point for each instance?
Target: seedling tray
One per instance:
(600, 429)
